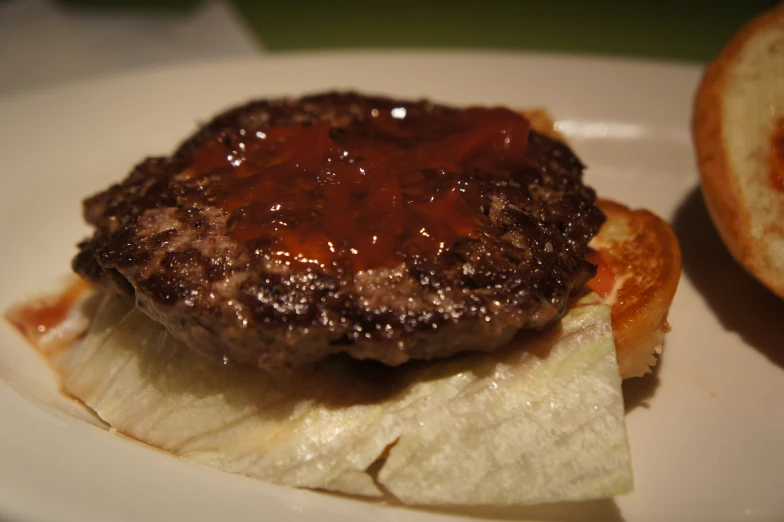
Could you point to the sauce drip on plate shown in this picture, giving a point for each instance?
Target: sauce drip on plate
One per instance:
(35, 318)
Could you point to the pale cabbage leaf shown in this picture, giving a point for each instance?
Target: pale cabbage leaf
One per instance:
(541, 421)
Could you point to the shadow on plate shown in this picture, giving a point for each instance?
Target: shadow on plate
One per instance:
(638, 391)
(603, 509)
(740, 302)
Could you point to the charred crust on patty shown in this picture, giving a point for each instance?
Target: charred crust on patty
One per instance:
(161, 236)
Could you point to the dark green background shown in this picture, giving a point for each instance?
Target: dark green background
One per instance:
(691, 30)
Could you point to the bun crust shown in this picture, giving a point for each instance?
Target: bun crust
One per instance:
(738, 107)
(643, 253)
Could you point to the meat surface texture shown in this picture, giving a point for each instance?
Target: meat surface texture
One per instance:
(287, 230)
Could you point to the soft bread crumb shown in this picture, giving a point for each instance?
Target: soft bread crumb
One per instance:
(744, 87)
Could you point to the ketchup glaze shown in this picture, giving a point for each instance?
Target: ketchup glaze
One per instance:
(397, 181)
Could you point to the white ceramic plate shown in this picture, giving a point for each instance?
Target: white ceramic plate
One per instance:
(706, 431)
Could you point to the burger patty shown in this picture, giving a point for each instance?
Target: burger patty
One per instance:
(286, 230)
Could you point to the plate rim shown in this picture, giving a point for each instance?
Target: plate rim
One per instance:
(146, 73)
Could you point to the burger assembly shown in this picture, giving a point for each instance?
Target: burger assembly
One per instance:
(371, 296)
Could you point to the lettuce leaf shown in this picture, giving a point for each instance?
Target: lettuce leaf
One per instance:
(540, 421)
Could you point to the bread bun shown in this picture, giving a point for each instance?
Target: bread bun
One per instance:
(738, 117)
(644, 257)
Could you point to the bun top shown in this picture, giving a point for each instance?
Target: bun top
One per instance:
(738, 130)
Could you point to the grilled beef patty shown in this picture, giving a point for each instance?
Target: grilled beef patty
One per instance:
(286, 230)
